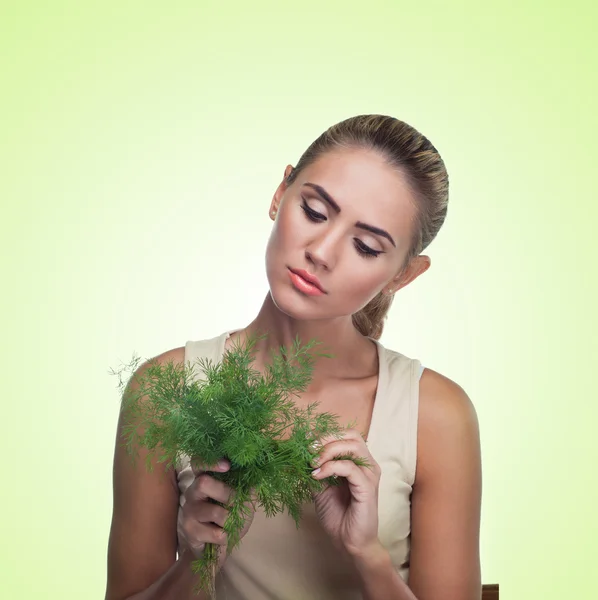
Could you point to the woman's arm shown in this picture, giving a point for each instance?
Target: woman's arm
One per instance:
(445, 504)
(446, 499)
(142, 545)
(175, 584)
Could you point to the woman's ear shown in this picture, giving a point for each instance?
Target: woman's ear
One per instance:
(280, 190)
(417, 266)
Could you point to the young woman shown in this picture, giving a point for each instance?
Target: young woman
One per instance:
(350, 223)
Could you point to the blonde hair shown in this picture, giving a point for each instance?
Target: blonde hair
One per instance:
(418, 160)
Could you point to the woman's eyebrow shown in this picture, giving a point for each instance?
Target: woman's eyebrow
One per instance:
(376, 230)
(325, 195)
(330, 200)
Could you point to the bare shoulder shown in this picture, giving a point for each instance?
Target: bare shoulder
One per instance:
(446, 500)
(444, 401)
(174, 355)
(446, 418)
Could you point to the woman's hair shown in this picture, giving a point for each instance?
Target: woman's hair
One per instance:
(418, 160)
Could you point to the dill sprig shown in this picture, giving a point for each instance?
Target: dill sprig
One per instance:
(237, 412)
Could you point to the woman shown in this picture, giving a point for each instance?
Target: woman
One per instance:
(350, 223)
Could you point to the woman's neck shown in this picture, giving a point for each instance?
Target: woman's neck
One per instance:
(353, 355)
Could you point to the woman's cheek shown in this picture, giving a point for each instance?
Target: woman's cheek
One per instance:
(365, 286)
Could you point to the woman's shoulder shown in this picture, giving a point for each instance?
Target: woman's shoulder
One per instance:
(176, 355)
(447, 421)
(442, 400)
(171, 356)
(189, 350)
(444, 407)
(435, 388)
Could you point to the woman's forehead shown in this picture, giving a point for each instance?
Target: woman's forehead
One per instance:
(362, 181)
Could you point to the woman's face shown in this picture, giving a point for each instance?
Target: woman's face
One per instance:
(344, 224)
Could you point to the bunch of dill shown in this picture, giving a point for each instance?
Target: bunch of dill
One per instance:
(234, 411)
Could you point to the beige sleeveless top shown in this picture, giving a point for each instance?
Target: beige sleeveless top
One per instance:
(277, 561)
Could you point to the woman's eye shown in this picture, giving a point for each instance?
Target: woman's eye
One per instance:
(317, 217)
(312, 215)
(366, 250)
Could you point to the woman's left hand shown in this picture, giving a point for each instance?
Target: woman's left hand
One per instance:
(348, 512)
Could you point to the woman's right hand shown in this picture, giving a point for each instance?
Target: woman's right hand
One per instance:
(201, 521)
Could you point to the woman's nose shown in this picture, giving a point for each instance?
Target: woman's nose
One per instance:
(322, 252)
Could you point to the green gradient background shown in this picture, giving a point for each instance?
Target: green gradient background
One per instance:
(140, 144)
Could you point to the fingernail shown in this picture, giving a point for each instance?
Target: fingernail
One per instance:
(316, 471)
(315, 445)
(223, 464)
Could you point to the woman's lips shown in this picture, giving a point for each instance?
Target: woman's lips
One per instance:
(303, 285)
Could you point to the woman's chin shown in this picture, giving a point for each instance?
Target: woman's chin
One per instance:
(295, 305)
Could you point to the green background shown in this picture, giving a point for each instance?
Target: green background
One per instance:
(140, 144)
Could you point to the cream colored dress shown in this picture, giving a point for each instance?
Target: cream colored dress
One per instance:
(277, 561)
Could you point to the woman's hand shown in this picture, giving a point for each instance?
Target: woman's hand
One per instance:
(201, 521)
(349, 512)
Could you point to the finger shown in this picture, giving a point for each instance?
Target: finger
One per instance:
(360, 486)
(197, 535)
(199, 467)
(206, 512)
(205, 487)
(345, 434)
(342, 448)
(334, 448)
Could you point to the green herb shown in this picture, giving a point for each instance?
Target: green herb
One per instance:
(237, 412)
